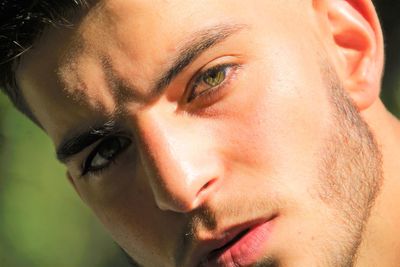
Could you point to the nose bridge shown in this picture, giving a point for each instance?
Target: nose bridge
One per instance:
(181, 167)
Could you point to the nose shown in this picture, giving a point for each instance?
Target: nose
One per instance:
(182, 167)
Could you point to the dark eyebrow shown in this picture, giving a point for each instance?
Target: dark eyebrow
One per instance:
(199, 42)
(76, 144)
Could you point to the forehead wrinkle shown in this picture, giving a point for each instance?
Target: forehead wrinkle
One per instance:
(123, 90)
(116, 88)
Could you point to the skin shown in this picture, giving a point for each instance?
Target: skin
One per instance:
(311, 145)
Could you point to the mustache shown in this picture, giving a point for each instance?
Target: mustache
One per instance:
(209, 220)
(230, 212)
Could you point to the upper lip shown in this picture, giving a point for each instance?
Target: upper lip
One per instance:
(209, 244)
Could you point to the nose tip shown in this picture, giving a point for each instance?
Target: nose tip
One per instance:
(182, 185)
(182, 167)
(188, 199)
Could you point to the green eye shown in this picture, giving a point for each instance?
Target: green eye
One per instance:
(214, 77)
(211, 81)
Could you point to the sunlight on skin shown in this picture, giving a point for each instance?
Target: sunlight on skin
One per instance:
(283, 141)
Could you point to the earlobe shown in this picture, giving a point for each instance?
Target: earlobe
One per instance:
(358, 45)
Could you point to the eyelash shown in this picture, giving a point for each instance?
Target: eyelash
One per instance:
(96, 172)
(208, 94)
(86, 169)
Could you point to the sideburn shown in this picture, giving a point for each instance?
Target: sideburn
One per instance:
(350, 168)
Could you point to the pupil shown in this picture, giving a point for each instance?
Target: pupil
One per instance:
(214, 74)
(109, 149)
(214, 77)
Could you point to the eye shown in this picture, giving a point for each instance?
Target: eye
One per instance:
(214, 77)
(104, 154)
(209, 80)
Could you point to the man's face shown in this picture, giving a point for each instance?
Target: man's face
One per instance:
(216, 133)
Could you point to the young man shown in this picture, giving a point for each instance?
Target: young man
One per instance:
(217, 133)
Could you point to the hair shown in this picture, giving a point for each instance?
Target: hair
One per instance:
(21, 24)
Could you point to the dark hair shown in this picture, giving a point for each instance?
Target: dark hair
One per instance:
(21, 23)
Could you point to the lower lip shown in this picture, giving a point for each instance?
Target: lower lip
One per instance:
(248, 250)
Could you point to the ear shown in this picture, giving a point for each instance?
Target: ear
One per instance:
(356, 47)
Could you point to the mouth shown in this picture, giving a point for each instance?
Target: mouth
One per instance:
(244, 248)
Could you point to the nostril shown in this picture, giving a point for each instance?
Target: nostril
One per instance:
(206, 186)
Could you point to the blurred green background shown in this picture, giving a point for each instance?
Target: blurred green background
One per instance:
(42, 222)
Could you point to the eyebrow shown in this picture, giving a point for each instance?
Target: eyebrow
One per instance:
(200, 41)
(197, 43)
(75, 144)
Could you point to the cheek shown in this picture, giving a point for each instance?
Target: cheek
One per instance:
(123, 202)
(278, 124)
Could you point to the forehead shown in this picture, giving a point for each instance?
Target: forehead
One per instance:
(131, 40)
